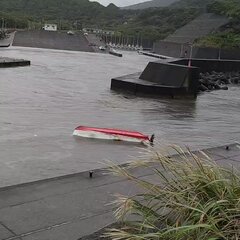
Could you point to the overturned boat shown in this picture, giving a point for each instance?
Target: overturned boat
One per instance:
(112, 134)
(115, 53)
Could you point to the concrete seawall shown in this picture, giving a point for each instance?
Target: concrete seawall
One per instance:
(10, 62)
(52, 40)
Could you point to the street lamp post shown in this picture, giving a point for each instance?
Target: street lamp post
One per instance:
(219, 53)
(190, 57)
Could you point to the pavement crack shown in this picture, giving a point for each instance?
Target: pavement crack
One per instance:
(72, 191)
(80, 218)
(10, 230)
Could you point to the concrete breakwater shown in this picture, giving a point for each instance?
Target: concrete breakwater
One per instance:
(10, 62)
(180, 77)
(52, 40)
(217, 80)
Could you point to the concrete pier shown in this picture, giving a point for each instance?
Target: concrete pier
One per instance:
(174, 78)
(161, 78)
(73, 206)
(10, 62)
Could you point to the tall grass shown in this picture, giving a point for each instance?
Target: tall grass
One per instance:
(194, 199)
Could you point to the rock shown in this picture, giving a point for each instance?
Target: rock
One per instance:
(214, 80)
(202, 88)
(224, 88)
(217, 87)
(235, 80)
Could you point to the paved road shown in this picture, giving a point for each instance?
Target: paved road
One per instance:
(72, 206)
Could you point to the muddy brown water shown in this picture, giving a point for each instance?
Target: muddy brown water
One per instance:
(41, 105)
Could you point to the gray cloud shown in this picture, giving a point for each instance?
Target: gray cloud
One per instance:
(119, 3)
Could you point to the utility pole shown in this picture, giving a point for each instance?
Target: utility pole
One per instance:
(190, 58)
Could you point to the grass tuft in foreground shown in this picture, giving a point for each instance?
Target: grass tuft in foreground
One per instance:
(194, 199)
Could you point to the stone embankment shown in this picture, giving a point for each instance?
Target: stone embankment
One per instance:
(217, 80)
(52, 40)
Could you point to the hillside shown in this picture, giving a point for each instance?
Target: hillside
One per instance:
(151, 23)
(201, 26)
(66, 13)
(150, 4)
(157, 23)
(192, 3)
(229, 35)
(53, 9)
(171, 3)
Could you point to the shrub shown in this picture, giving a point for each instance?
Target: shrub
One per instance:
(195, 199)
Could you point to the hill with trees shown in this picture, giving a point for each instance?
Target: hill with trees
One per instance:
(229, 35)
(201, 4)
(152, 23)
(66, 9)
(151, 4)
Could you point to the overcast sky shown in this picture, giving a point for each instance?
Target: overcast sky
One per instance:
(119, 3)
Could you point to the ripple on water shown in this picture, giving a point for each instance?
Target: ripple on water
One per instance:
(60, 90)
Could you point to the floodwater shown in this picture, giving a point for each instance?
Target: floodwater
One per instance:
(41, 105)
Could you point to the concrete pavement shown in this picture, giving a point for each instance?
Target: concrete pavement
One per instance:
(69, 207)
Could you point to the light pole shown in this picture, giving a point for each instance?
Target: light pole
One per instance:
(190, 57)
(219, 53)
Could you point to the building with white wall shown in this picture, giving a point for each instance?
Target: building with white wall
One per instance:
(50, 27)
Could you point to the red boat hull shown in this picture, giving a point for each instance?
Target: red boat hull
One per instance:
(110, 134)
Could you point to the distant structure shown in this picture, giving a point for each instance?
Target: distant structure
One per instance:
(181, 42)
(50, 27)
(199, 27)
(98, 31)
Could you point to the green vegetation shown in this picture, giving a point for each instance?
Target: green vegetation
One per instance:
(229, 36)
(190, 197)
(14, 20)
(230, 8)
(151, 4)
(155, 23)
(192, 4)
(152, 23)
(53, 9)
(220, 40)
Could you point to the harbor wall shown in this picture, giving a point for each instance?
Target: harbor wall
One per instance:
(52, 40)
(178, 50)
(208, 65)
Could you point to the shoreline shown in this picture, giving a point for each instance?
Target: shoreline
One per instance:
(96, 171)
(75, 206)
